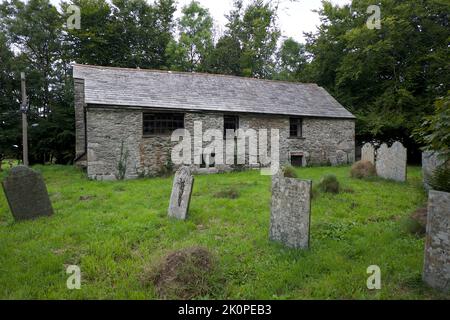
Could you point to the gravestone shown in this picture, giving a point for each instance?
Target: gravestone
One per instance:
(368, 153)
(27, 194)
(436, 270)
(391, 162)
(339, 158)
(181, 193)
(430, 161)
(290, 211)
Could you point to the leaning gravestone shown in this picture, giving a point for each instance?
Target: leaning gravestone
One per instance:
(391, 162)
(27, 194)
(430, 161)
(368, 153)
(290, 211)
(436, 270)
(181, 193)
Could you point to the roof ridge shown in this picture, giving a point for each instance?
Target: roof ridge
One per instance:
(204, 74)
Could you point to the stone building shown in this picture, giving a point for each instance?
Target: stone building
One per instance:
(128, 115)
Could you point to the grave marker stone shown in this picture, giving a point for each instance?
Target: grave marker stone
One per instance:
(181, 193)
(436, 270)
(430, 161)
(391, 162)
(290, 211)
(368, 153)
(27, 194)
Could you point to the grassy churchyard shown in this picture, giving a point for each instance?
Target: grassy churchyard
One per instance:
(118, 233)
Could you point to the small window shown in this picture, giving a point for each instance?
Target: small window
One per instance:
(296, 160)
(230, 123)
(296, 129)
(162, 123)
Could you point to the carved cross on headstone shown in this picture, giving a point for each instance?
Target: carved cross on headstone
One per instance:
(181, 193)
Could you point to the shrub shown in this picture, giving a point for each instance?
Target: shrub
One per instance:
(440, 179)
(289, 172)
(363, 169)
(184, 274)
(329, 183)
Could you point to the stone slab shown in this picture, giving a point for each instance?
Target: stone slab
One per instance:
(290, 211)
(27, 194)
(391, 162)
(368, 153)
(436, 270)
(181, 193)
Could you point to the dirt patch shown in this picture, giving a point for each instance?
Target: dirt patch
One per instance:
(86, 198)
(183, 274)
(416, 222)
(420, 215)
(228, 193)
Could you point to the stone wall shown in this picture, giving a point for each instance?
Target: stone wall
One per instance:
(80, 145)
(107, 128)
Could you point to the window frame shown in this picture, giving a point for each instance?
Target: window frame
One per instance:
(161, 118)
(297, 121)
(235, 120)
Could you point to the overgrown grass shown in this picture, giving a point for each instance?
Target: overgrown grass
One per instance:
(113, 230)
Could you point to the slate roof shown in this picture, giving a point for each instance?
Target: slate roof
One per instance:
(207, 92)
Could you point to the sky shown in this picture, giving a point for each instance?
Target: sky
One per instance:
(295, 17)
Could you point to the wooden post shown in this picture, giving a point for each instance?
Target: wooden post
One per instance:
(24, 110)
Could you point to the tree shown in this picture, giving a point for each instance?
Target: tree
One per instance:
(291, 60)
(434, 133)
(125, 33)
(9, 112)
(35, 30)
(195, 39)
(225, 57)
(256, 31)
(388, 77)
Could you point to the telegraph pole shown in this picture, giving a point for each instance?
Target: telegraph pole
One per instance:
(24, 109)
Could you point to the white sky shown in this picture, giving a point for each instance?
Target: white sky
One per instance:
(295, 17)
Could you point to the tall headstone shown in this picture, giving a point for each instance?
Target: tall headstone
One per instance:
(368, 153)
(436, 270)
(290, 211)
(181, 193)
(430, 161)
(391, 162)
(27, 194)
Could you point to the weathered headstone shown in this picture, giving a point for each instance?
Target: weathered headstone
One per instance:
(290, 211)
(430, 161)
(339, 158)
(368, 153)
(436, 270)
(27, 194)
(181, 193)
(391, 162)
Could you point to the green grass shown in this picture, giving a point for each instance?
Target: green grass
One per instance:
(122, 227)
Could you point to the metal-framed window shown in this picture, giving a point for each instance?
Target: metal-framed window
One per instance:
(162, 123)
(296, 127)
